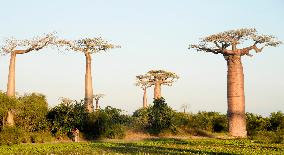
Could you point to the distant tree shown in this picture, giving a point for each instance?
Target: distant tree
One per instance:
(14, 47)
(184, 107)
(143, 82)
(87, 46)
(158, 78)
(219, 44)
(97, 97)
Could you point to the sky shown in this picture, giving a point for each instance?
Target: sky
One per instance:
(153, 35)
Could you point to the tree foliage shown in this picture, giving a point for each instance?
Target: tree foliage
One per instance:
(160, 117)
(66, 116)
(143, 82)
(153, 76)
(31, 114)
(13, 45)
(86, 45)
(219, 43)
(107, 123)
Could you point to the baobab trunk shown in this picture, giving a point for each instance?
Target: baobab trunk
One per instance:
(11, 88)
(88, 85)
(11, 76)
(236, 97)
(145, 104)
(157, 90)
(10, 118)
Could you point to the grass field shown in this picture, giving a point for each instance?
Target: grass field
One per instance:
(151, 146)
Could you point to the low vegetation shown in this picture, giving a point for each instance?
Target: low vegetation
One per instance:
(36, 123)
(150, 146)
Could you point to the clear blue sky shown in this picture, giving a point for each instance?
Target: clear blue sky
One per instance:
(153, 35)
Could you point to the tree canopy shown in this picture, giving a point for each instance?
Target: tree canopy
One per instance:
(164, 77)
(220, 42)
(86, 45)
(143, 81)
(13, 45)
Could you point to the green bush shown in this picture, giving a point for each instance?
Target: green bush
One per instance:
(67, 116)
(107, 123)
(268, 136)
(276, 120)
(140, 119)
(11, 135)
(256, 123)
(209, 121)
(6, 103)
(160, 117)
(31, 113)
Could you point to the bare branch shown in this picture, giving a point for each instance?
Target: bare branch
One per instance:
(206, 49)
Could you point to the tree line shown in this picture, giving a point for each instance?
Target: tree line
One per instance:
(230, 44)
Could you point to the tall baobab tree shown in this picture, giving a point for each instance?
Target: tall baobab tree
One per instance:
(97, 97)
(143, 82)
(160, 77)
(228, 44)
(87, 46)
(15, 47)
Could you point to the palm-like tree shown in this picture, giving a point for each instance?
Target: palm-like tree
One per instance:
(87, 46)
(228, 44)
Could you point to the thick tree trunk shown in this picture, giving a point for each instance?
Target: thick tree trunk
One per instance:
(10, 118)
(236, 97)
(157, 90)
(145, 103)
(11, 88)
(88, 85)
(11, 76)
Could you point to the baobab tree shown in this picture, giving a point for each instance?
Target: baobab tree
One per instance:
(87, 46)
(97, 97)
(15, 47)
(228, 44)
(160, 77)
(143, 82)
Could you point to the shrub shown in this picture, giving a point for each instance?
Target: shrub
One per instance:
(276, 120)
(209, 121)
(160, 117)
(6, 103)
(140, 119)
(256, 123)
(11, 135)
(107, 123)
(268, 136)
(31, 113)
(67, 116)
